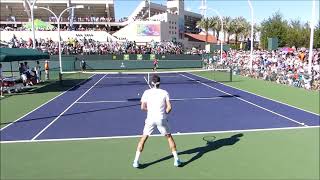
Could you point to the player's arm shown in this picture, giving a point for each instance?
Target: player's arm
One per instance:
(144, 102)
(168, 106)
(144, 106)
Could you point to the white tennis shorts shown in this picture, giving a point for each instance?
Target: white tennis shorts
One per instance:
(23, 77)
(162, 126)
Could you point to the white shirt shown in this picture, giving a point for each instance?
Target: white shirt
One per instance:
(156, 103)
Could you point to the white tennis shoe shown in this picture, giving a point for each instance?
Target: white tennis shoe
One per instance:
(177, 163)
(135, 164)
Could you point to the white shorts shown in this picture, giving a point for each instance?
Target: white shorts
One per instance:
(23, 77)
(162, 126)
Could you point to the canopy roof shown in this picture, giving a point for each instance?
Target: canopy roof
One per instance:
(19, 54)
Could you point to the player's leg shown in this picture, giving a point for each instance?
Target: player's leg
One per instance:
(141, 143)
(148, 129)
(173, 149)
(163, 128)
(140, 147)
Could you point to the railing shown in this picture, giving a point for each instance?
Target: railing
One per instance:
(137, 10)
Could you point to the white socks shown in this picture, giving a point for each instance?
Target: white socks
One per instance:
(136, 159)
(175, 155)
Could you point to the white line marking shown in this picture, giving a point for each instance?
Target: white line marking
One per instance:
(176, 76)
(176, 134)
(257, 95)
(123, 77)
(66, 109)
(43, 104)
(300, 123)
(201, 98)
(147, 82)
(123, 101)
(93, 102)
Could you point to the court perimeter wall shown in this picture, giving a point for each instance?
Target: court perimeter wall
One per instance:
(108, 62)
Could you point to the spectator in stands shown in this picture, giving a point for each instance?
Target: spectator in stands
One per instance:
(37, 69)
(22, 74)
(83, 65)
(27, 72)
(46, 69)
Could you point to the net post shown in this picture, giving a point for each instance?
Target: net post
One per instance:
(148, 78)
(60, 78)
(230, 74)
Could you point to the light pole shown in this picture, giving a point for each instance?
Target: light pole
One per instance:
(58, 21)
(221, 40)
(252, 23)
(312, 24)
(31, 7)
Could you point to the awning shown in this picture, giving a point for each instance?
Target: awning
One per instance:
(20, 54)
(201, 38)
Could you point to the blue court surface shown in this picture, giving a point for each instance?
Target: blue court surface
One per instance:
(108, 106)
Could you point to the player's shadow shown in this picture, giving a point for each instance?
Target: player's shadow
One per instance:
(200, 151)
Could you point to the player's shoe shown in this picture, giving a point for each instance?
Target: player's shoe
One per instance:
(135, 164)
(177, 163)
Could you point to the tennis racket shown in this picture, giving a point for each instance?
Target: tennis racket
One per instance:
(209, 139)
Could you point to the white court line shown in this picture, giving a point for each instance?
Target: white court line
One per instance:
(137, 136)
(176, 76)
(44, 104)
(147, 82)
(257, 95)
(123, 101)
(123, 77)
(96, 102)
(297, 122)
(66, 110)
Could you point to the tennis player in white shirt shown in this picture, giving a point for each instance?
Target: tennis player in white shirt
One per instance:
(156, 102)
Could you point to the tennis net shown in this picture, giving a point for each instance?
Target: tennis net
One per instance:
(143, 77)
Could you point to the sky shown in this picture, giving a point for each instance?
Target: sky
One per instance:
(290, 9)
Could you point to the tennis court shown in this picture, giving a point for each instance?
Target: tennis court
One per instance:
(107, 107)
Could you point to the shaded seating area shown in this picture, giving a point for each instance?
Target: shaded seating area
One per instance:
(27, 76)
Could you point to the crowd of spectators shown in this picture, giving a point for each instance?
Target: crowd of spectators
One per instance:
(84, 19)
(282, 67)
(89, 46)
(63, 28)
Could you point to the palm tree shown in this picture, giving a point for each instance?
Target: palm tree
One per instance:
(215, 25)
(318, 25)
(256, 30)
(204, 24)
(246, 32)
(227, 27)
(239, 26)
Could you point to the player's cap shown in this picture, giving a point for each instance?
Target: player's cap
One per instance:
(155, 79)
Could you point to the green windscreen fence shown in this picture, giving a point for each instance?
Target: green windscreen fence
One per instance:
(123, 62)
(72, 63)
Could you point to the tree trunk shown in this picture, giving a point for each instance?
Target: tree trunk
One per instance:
(236, 39)
(228, 39)
(207, 37)
(217, 35)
